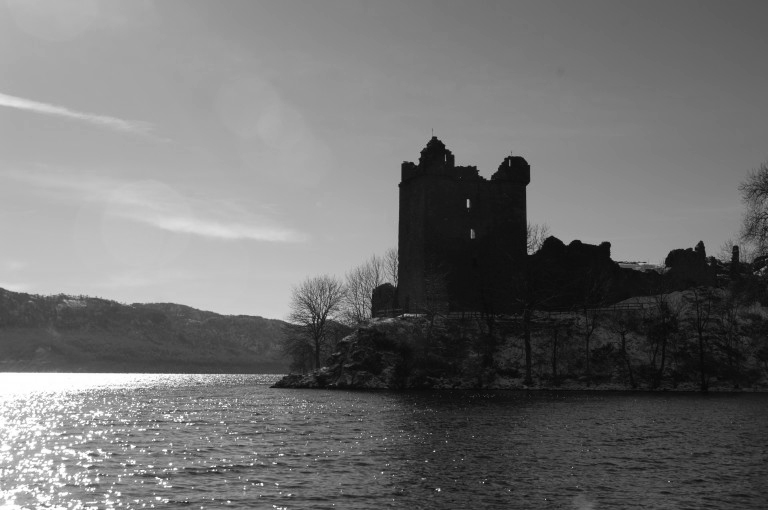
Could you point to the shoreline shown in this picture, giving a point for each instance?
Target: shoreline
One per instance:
(314, 380)
(507, 385)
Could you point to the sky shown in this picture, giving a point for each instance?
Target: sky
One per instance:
(216, 154)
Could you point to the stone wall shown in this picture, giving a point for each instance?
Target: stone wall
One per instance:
(462, 238)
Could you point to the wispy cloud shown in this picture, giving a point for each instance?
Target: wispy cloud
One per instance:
(114, 123)
(156, 204)
(220, 230)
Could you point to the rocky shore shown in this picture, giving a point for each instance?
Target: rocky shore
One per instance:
(398, 354)
(374, 356)
(415, 354)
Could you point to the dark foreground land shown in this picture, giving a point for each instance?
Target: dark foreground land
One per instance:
(417, 353)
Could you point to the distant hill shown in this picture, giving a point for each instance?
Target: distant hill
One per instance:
(85, 334)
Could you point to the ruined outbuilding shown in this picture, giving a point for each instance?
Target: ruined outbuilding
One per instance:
(462, 237)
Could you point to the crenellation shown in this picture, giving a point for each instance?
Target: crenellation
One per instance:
(468, 172)
(513, 168)
(408, 170)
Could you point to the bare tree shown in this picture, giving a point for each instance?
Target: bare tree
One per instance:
(592, 290)
(391, 265)
(662, 324)
(298, 349)
(536, 233)
(363, 280)
(702, 303)
(360, 283)
(315, 305)
(747, 252)
(555, 333)
(533, 288)
(591, 321)
(622, 322)
(754, 194)
(729, 333)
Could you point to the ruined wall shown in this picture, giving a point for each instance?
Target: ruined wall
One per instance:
(461, 237)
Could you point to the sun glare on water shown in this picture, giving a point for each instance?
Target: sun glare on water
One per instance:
(16, 384)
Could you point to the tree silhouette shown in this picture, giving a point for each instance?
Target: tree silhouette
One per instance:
(315, 305)
(360, 284)
(622, 322)
(754, 194)
(536, 234)
(702, 303)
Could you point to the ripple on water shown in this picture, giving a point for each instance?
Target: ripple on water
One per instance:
(134, 441)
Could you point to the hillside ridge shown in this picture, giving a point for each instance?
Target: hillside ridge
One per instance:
(81, 333)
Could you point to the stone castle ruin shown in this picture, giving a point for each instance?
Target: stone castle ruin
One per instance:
(462, 238)
(462, 247)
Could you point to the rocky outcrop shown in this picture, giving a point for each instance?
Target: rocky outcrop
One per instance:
(396, 353)
(455, 353)
(368, 359)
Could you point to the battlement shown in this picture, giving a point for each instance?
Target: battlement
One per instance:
(513, 168)
(436, 159)
(408, 170)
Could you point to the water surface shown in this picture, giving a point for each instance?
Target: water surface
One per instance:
(209, 441)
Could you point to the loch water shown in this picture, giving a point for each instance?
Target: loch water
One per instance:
(213, 441)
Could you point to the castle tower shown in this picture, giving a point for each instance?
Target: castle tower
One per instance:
(461, 238)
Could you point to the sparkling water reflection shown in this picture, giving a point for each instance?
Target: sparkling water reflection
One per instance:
(207, 441)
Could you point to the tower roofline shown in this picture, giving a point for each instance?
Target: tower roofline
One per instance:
(515, 169)
(436, 159)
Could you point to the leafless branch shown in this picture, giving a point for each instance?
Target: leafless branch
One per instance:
(314, 304)
(536, 233)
